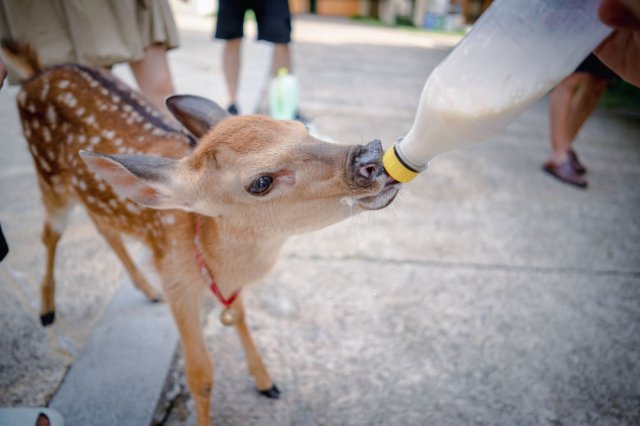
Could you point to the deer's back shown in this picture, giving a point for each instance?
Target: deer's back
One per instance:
(69, 108)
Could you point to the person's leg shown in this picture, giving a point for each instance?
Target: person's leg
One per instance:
(281, 58)
(274, 25)
(560, 110)
(231, 68)
(585, 102)
(153, 76)
(230, 28)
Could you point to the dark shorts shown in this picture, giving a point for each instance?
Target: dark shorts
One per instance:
(595, 67)
(273, 18)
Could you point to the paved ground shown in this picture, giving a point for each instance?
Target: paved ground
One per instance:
(487, 294)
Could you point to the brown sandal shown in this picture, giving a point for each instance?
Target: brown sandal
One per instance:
(565, 173)
(575, 163)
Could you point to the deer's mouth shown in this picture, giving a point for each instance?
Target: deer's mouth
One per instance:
(389, 188)
(368, 174)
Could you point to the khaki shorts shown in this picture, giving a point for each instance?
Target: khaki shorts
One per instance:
(89, 32)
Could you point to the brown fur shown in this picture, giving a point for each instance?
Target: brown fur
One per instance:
(157, 197)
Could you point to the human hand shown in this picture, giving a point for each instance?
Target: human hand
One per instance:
(621, 50)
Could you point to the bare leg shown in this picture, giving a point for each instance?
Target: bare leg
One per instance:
(264, 384)
(154, 76)
(231, 67)
(118, 247)
(185, 304)
(281, 58)
(560, 109)
(585, 102)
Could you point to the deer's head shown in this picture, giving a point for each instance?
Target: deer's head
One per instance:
(267, 174)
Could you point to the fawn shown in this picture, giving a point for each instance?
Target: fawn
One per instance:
(215, 199)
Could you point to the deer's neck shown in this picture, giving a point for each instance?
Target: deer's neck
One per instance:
(236, 255)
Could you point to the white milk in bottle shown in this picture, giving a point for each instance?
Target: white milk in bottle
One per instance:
(516, 52)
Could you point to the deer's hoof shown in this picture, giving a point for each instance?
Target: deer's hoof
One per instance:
(272, 393)
(48, 318)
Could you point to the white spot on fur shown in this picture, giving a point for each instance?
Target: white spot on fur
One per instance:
(31, 108)
(169, 219)
(90, 119)
(91, 200)
(82, 185)
(113, 203)
(46, 134)
(132, 208)
(33, 150)
(63, 84)
(109, 134)
(115, 98)
(82, 138)
(45, 166)
(35, 124)
(147, 126)
(69, 100)
(52, 117)
(102, 186)
(80, 111)
(95, 140)
(22, 98)
(118, 142)
(45, 91)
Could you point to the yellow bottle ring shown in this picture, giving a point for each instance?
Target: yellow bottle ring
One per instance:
(396, 168)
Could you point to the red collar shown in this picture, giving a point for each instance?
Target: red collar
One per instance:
(206, 274)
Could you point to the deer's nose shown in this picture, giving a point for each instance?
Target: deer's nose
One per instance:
(367, 162)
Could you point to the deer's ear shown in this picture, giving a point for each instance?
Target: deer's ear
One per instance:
(145, 179)
(197, 114)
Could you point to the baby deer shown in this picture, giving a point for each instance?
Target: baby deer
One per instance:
(213, 201)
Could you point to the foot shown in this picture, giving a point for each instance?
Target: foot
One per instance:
(575, 162)
(565, 172)
(273, 392)
(48, 318)
(232, 109)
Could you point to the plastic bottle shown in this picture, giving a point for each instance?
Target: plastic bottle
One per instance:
(283, 96)
(516, 52)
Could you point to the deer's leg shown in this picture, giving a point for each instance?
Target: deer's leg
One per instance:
(185, 305)
(57, 207)
(139, 280)
(264, 384)
(50, 239)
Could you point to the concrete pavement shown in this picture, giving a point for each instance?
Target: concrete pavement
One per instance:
(488, 293)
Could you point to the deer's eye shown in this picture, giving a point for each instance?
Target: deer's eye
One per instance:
(260, 186)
